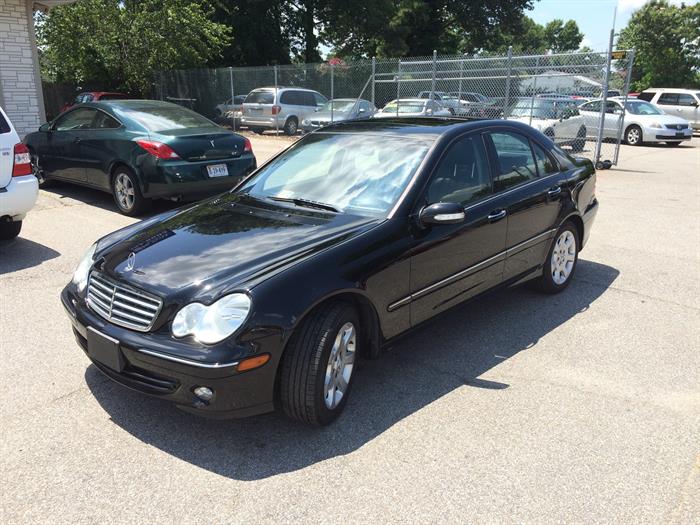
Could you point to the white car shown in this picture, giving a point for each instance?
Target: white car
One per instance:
(413, 107)
(684, 103)
(644, 122)
(18, 185)
(559, 119)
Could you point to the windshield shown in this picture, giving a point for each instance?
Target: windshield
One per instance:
(540, 109)
(260, 97)
(166, 117)
(338, 105)
(404, 107)
(637, 107)
(353, 173)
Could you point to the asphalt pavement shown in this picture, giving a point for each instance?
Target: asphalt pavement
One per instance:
(580, 408)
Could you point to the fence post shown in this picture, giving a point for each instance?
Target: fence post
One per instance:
(606, 85)
(506, 101)
(461, 75)
(233, 102)
(374, 72)
(398, 89)
(630, 63)
(332, 94)
(534, 89)
(432, 84)
(277, 124)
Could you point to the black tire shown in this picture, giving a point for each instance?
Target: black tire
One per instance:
(38, 172)
(131, 207)
(546, 282)
(9, 230)
(259, 131)
(633, 136)
(674, 143)
(580, 142)
(291, 126)
(305, 361)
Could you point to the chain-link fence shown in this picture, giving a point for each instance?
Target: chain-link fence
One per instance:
(575, 98)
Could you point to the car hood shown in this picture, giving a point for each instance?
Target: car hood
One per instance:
(662, 119)
(227, 242)
(325, 116)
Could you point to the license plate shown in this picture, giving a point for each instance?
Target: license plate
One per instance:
(680, 134)
(104, 349)
(218, 170)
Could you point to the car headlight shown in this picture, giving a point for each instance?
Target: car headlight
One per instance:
(213, 323)
(82, 272)
(656, 125)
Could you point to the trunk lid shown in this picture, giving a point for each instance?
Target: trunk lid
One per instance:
(199, 144)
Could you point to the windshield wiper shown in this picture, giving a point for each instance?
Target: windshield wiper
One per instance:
(307, 203)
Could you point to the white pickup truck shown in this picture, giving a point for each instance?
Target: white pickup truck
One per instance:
(18, 185)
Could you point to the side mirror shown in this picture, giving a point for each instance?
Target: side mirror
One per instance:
(46, 126)
(361, 110)
(442, 213)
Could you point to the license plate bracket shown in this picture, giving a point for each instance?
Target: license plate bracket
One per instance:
(104, 349)
(217, 170)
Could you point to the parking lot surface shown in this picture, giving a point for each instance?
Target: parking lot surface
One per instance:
(581, 407)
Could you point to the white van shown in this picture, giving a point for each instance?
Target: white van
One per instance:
(19, 187)
(683, 103)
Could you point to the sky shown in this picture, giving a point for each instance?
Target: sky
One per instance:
(594, 17)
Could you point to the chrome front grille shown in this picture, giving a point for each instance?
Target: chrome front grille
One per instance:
(121, 304)
(677, 126)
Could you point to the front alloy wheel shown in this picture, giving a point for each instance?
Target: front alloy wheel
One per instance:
(633, 137)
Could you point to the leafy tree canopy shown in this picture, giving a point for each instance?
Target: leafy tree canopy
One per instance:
(666, 39)
(125, 41)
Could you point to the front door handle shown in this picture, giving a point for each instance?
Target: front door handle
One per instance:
(554, 192)
(77, 139)
(497, 215)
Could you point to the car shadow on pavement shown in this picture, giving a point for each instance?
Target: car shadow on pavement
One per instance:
(20, 254)
(450, 353)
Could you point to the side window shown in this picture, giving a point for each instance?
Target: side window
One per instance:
(515, 161)
(80, 118)
(646, 95)
(104, 121)
(319, 99)
(612, 107)
(592, 106)
(289, 97)
(462, 175)
(686, 100)
(668, 99)
(545, 165)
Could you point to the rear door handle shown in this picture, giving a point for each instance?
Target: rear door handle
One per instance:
(496, 215)
(553, 192)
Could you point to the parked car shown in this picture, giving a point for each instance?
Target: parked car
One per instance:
(18, 185)
(453, 104)
(480, 106)
(337, 110)
(684, 103)
(231, 105)
(413, 107)
(643, 122)
(93, 96)
(140, 150)
(268, 295)
(280, 108)
(559, 119)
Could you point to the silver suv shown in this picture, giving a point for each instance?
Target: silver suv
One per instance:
(279, 108)
(682, 103)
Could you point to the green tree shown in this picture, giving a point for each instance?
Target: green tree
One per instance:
(561, 37)
(666, 39)
(120, 43)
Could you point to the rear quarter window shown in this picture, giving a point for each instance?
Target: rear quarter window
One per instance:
(260, 97)
(646, 96)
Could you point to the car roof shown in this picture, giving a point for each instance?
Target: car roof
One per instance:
(132, 104)
(679, 90)
(280, 88)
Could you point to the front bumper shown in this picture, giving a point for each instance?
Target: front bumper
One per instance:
(18, 197)
(149, 368)
(665, 134)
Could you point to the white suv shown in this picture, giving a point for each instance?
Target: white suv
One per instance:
(684, 103)
(18, 185)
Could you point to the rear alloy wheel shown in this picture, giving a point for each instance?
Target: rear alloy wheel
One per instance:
(317, 366)
(633, 136)
(559, 268)
(127, 194)
(291, 126)
(10, 230)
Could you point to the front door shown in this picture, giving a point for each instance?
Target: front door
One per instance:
(451, 263)
(532, 184)
(63, 158)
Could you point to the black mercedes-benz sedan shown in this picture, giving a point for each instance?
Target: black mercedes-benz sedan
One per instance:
(266, 296)
(140, 150)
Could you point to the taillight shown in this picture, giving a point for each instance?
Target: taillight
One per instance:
(158, 149)
(23, 161)
(276, 110)
(247, 146)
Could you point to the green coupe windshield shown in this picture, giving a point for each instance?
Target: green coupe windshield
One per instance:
(353, 173)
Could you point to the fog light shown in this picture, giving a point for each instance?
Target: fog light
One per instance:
(204, 393)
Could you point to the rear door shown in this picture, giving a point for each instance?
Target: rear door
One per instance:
(451, 263)
(530, 181)
(8, 139)
(63, 158)
(688, 107)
